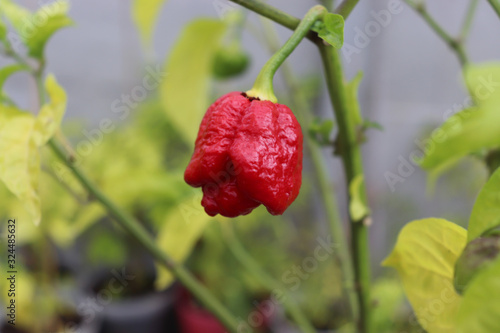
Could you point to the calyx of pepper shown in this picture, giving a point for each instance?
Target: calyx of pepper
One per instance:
(477, 255)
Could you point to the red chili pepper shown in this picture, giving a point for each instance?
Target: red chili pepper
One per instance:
(248, 152)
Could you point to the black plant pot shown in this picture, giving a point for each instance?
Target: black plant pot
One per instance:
(125, 301)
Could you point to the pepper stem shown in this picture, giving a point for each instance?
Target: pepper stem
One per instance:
(263, 86)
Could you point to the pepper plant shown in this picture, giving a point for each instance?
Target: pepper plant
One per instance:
(248, 151)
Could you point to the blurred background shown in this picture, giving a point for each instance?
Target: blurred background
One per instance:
(411, 82)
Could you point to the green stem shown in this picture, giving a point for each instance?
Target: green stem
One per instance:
(240, 253)
(271, 13)
(351, 154)
(133, 226)
(469, 16)
(346, 7)
(496, 6)
(328, 4)
(351, 158)
(263, 86)
(302, 108)
(453, 43)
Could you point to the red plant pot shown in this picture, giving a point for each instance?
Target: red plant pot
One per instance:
(194, 319)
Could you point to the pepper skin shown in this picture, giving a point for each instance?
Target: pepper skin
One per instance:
(248, 152)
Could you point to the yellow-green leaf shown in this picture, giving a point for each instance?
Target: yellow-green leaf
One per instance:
(471, 129)
(19, 158)
(465, 132)
(7, 71)
(178, 235)
(486, 212)
(52, 17)
(185, 91)
(425, 256)
(51, 114)
(21, 136)
(3, 30)
(483, 81)
(145, 14)
(17, 15)
(357, 207)
(480, 308)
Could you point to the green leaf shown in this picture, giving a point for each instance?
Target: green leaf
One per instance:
(388, 295)
(185, 91)
(372, 124)
(7, 71)
(145, 14)
(3, 31)
(425, 256)
(106, 248)
(179, 233)
(17, 15)
(51, 114)
(486, 212)
(331, 30)
(466, 132)
(320, 130)
(483, 82)
(357, 208)
(480, 308)
(472, 129)
(52, 17)
(352, 100)
(20, 159)
(21, 136)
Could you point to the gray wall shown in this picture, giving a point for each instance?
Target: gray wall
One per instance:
(411, 79)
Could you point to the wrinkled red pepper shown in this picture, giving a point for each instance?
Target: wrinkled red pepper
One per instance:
(248, 152)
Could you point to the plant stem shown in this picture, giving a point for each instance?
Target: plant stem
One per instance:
(454, 44)
(328, 4)
(270, 12)
(133, 226)
(240, 253)
(302, 108)
(351, 158)
(263, 87)
(496, 6)
(346, 7)
(469, 15)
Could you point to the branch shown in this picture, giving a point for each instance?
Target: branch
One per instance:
(351, 154)
(276, 15)
(496, 6)
(346, 7)
(129, 223)
(453, 43)
(353, 166)
(303, 110)
(133, 226)
(471, 10)
(241, 254)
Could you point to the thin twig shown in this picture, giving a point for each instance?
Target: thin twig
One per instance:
(303, 110)
(129, 223)
(240, 253)
(453, 43)
(134, 227)
(346, 7)
(64, 185)
(351, 154)
(496, 6)
(469, 16)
